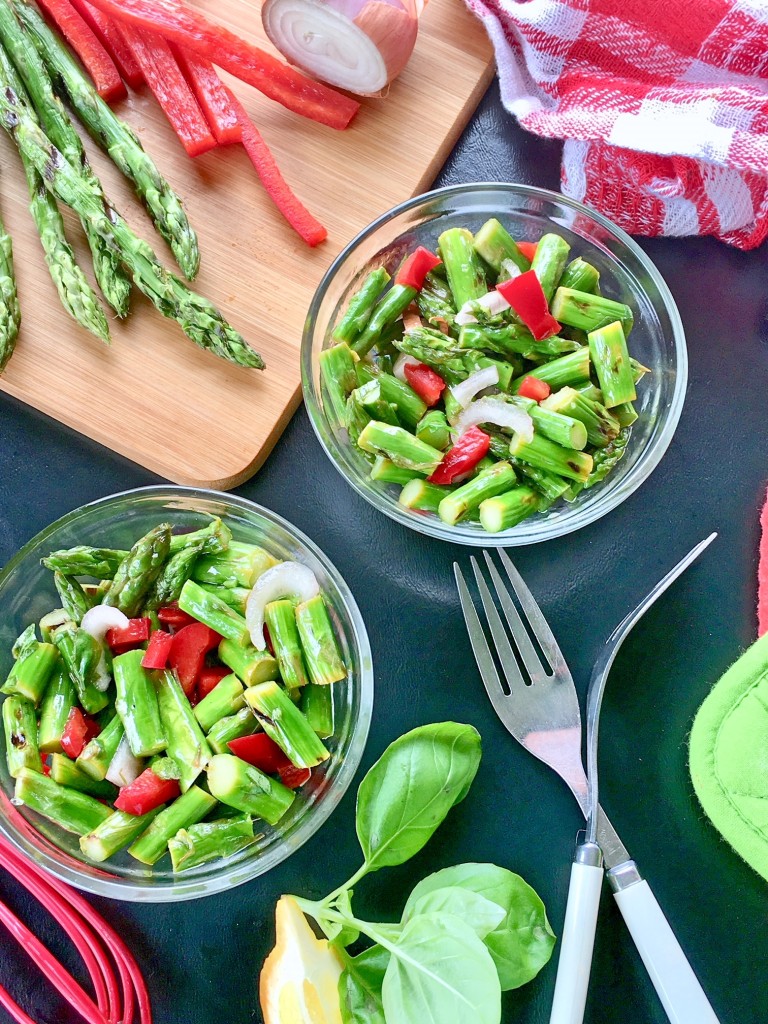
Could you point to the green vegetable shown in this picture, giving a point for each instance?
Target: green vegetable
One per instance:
(82, 655)
(465, 273)
(360, 987)
(73, 811)
(66, 773)
(20, 728)
(58, 701)
(361, 306)
(337, 369)
(210, 840)
(224, 699)
(282, 721)
(97, 754)
(138, 571)
(244, 723)
(245, 788)
(280, 617)
(317, 707)
(422, 495)
(205, 607)
(184, 739)
(239, 566)
(549, 262)
(250, 665)
(610, 358)
(101, 563)
(137, 705)
(318, 642)
(495, 244)
(114, 833)
(10, 313)
(188, 809)
(405, 450)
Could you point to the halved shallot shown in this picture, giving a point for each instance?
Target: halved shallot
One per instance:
(498, 412)
(359, 45)
(286, 579)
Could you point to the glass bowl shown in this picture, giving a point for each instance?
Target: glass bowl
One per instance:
(657, 340)
(27, 593)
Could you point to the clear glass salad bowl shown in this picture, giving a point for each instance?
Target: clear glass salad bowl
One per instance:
(27, 593)
(627, 275)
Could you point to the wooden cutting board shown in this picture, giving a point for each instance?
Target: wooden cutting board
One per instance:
(153, 396)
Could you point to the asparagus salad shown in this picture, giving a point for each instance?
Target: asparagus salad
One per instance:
(182, 689)
(489, 381)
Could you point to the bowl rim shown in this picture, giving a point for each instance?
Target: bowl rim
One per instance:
(238, 874)
(529, 531)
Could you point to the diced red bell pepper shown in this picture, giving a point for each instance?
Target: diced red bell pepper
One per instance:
(294, 777)
(275, 185)
(77, 732)
(426, 382)
(526, 296)
(211, 94)
(81, 38)
(171, 615)
(268, 640)
(183, 25)
(159, 650)
(133, 635)
(111, 35)
(188, 650)
(46, 768)
(416, 267)
(169, 87)
(528, 249)
(532, 387)
(209, 679)
(264, 754)
(146, 793)
(470, 448)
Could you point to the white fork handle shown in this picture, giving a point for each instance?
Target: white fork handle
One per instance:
(677, 986)
(578, 941)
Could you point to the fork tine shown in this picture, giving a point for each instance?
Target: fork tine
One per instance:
(538, 623)
(480, 648)
(503, 646)
(530, 658)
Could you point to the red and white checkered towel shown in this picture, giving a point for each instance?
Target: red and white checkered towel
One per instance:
(663, 105)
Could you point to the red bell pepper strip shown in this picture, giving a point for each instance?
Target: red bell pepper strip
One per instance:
(426, 382)
(188, 650)
(46, 768)
(111, 36)
(77, 732)
(209, 679)
(532, 387)
(180, 24)
(84, 42)
(169, 87)
(275, 185)
(211, 94)
(159, 650)
(470, 448)
(135, 633)
(146, 793)
(264, 754)
(526, 297)
(172, 616)
(528, 249)
(416, 267)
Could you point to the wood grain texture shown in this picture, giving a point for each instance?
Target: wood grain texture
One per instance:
(153, 396)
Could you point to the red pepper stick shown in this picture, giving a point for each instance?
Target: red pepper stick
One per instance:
(169, 87)
(275, 185)
(211, 94)
(83, 41)
(111, 35)
(181, 24)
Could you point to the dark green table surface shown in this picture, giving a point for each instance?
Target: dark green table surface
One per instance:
(202, 959)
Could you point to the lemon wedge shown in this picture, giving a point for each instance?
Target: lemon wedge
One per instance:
(299, 982)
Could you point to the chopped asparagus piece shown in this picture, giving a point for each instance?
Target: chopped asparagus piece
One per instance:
(602, 426)
(245, 788)
(433, 430)
(386, 472)
(361, 306)
(188, 809)
(608, 351)
(581, 277)
(239, 566)
(115, 833)
(72, 596)
(139, 570)
(545, 454)
(66, 773)
(97, 754)
(423, 496)
(244, 723)
(186, 743)
(283, 631)
(495, 244)
(58, 701)
(250, 665)
(20, 728)
(210, 840)
(82, 656)
(496, 480)
(214, 612)
(337, 369)
(549, 262)
(101, 563)
(405, 450)
(388, 309)
(570, 369)
(137, 705)
(563, 430)
(317, 707)
(318, 642)
(73, 811)
(235, 597)
(282, 721)
(33, 669)
(507, 510)
(589, 312)
(224, 699)
(465, 273)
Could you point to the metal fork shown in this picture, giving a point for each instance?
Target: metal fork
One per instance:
(544, 717)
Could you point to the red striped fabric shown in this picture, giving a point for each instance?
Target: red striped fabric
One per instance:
(663, 106)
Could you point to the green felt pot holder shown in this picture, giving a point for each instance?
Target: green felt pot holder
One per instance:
(729, 756)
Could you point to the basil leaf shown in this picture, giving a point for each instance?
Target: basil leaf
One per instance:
(522, 943)
(408, 792)
(441, 973)
(477, 912)
(360, 987)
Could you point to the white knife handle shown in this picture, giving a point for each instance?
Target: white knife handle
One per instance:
(677, 986)
(578, 940)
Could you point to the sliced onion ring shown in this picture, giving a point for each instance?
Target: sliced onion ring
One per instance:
(125, 767)
(401, 362)
(359, 45)
(492, 302)
(478, 381)
(287, 579)
(499, 412)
